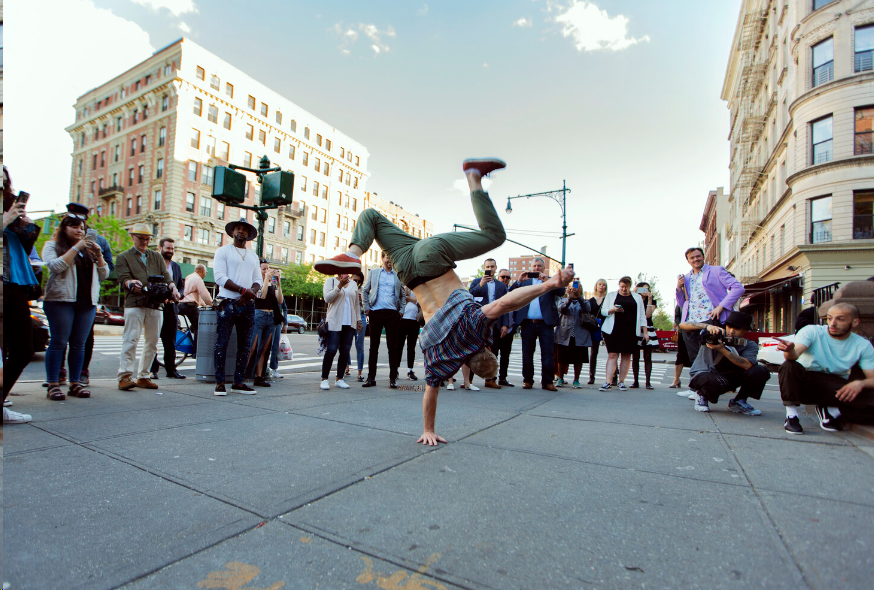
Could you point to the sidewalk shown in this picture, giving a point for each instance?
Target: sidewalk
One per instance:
(301, 488)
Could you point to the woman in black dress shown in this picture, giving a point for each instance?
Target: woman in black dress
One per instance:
(595, 304)
(650, 341)
(625, 322)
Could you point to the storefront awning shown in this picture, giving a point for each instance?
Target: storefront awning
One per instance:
(757, 293)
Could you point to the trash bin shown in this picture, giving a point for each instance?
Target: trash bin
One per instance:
(207, 333)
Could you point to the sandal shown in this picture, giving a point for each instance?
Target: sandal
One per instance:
(76, 390)
(55, 394)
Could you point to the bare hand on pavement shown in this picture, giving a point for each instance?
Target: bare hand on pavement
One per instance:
(430, 439)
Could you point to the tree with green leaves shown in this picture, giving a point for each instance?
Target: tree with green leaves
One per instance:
(301, 280)
(660, 319)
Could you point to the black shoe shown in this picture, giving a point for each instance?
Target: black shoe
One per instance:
(392, 384)
(369, 383)
(412, 376)
(591, 380)
(242, 388)
(175, 375)
(634, 385)
(505, 383)
(649, 386)
(793, 426)
(827, 421)
(360, 379)
(260, 382)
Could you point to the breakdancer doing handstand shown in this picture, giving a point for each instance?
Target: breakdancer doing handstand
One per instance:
(457, 330)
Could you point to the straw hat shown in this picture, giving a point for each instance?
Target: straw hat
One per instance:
(140, 229)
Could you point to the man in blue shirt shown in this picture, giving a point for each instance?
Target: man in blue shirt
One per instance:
(384, 302)
(486, 290)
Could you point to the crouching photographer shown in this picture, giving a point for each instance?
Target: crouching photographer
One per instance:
(725, 362)
(143, 275)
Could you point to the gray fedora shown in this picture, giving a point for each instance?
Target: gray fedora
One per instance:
(229, 228)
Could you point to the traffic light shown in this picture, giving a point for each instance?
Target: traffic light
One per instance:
(229, 187)
(277, 188)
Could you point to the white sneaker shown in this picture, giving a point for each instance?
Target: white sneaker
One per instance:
(325, 384)
(274, 374)
(684, 393)
(450, 386)
(701, 404)
(339, 383)
(692, 395)
(10, 417)
(7, 403)
(472, 387)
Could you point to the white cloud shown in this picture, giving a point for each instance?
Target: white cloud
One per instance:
(42, 84)
(486, 64)
(376, 35)
(348, 36)
(592, 29)
(176, 7)
(183, 26)
(461, 186)
(423, 11)
(523, 23)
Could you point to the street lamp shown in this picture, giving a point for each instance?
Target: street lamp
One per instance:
(560, 197)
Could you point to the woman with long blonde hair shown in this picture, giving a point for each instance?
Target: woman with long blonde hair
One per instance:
(595, 304)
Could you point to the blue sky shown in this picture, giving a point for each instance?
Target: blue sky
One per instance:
(620, 98)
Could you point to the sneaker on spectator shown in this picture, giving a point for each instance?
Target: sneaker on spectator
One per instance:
(10, 417)
(325, 384)
(827, 421)
(605, 387)
(692, 396)
(684, 393)
(84, 377)
(7, 403)
(622, 386)
(341, 383)
(793, 425)
(701, 404)
(274, 374)
(220, 389)
(561, 382)
(242, 388)
(740, 406)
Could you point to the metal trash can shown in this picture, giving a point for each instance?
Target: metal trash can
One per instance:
(207, 334)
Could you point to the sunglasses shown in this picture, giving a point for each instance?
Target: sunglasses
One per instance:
(504, 277)
(77, 216)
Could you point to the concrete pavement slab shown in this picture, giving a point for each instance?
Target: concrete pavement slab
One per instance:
(505, 519)
(646, 448)
(280, 556)
(769, 424)
(268, 463)
(22, 438)
(74, 518)
(823, 471)
(831, 541)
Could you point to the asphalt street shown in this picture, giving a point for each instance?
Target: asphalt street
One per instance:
(301, 488)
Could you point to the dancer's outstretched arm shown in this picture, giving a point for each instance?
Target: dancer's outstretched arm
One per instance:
(429, 412)
(518, 298)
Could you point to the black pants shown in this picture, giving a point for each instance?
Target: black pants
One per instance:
(17, 334)
(647, 362)
(713, 384)
(408, 332)
(692, 340)
(168, 339)
(532, 332)
(190, 311)
(800, 386)
(502, 346)
(593, 360)
(390, 320)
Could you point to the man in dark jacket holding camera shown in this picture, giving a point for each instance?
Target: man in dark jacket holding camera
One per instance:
(135, 267)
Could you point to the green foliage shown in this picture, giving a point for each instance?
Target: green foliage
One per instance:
(114, 231)
(300, 280)
(662, 321)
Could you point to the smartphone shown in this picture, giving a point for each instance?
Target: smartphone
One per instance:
(617, 306)
(642, 291)
(22, 197)
(533, 275)
(576, 284)
(487, 273)
(91, 234)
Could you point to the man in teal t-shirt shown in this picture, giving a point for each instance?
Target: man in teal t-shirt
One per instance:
(831, 352)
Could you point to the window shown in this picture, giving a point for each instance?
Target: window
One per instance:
(863, 130)
(315, 189)
(300, 233)
(94, 162)
(210, 145)
(102, 158)
(315, 214)
(271, 225)
(225, 153)
(158, 200)
(192, 171)
(117, 153)
(251, 102)
(348, 179)
(336, 241)
(277, 145)
(312, 236)
(286, 229)
(317, 164)
(339, 199)
(817, 4)
(195, 139)
(165, 103)
(268, 251)
(291, 151)
(118, 123)
(189, 202)
(355, 183)
(219, 237)
(337, 217)
(305, 159)
(821, 140)
(227, 122)
(823, 61)
(148, 79)
(247, 159)
(321, 238)
(349, 156)
(821, 220)
(220, 212)
(324, 217)
(285, 255)
(262, 137)
(278, 118)
(143, 143)
(303, 183)
(293, 126)
(208, 174)
(187, 232)
(130, 176)
(162, 136)
(326, 169)
(136, 116)
(155, 232)
(198, 107)
(167, 70)
(205, 206)
(229, 89)
(92, 188)
(863, 215)
(357, 161)
(133, 147)
(324, 192)
(212, 114)
(214, 82)
(145, 113)
(82, 140)
(318, 140)
(139, 204)
(264, 109)
(140, 174)
(346, 201)
(114, 179)
(112, 208)
(328, 145)
(782, 240)
(355, 204)
(306, 132)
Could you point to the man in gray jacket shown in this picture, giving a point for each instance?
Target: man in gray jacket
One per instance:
(384, 302)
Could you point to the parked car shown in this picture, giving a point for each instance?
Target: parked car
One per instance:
(295, 324)
(109, 315)
(770, 356)
(40, 329)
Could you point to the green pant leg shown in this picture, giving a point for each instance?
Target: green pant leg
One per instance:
(438, 254)
(374, 226)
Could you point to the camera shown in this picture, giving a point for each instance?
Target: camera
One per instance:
(533, 275)
(157, 292)
(708, 338)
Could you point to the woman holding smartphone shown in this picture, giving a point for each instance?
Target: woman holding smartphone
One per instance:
(572, 340)
(344, 320)
(77, 267)
(268, 313)
(595, 304)
(625, 320)
(649, 341)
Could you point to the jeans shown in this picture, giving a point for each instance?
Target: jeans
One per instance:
(231, 315)
(17, 334)
(532, 332)
(274, 350)
(712, 384)
(139, 320)
(264, 328)
(67, 325)
(342, 340)
(359, 342)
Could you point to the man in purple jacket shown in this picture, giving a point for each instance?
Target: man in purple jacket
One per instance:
(707, 295)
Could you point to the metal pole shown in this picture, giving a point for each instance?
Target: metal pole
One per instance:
(564, 220)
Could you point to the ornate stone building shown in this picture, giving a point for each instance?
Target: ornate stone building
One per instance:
(800, 90)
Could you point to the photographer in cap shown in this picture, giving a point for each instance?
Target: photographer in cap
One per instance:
(723, 365)
(147, 283)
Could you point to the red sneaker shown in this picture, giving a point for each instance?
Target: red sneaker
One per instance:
(484, 166)
(338, 265)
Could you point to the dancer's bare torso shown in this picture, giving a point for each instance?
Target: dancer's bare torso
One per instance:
(433, 294)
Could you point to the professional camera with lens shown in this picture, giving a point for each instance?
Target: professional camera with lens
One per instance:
(708, 338)
(157, 292)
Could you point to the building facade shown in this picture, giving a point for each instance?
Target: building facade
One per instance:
(407, 221)
(524, 262)
(715, 212)
(800, 91)
(146, 144)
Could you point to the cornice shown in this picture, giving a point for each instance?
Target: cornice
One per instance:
(852, 162)
(146, 97)
(852, 80)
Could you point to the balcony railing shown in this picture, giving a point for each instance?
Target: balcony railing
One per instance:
(865, 61)
(823, 294)
(110, 191)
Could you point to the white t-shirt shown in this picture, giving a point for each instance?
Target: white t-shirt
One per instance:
(825, 354)
(411, 311)
(238, 265)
